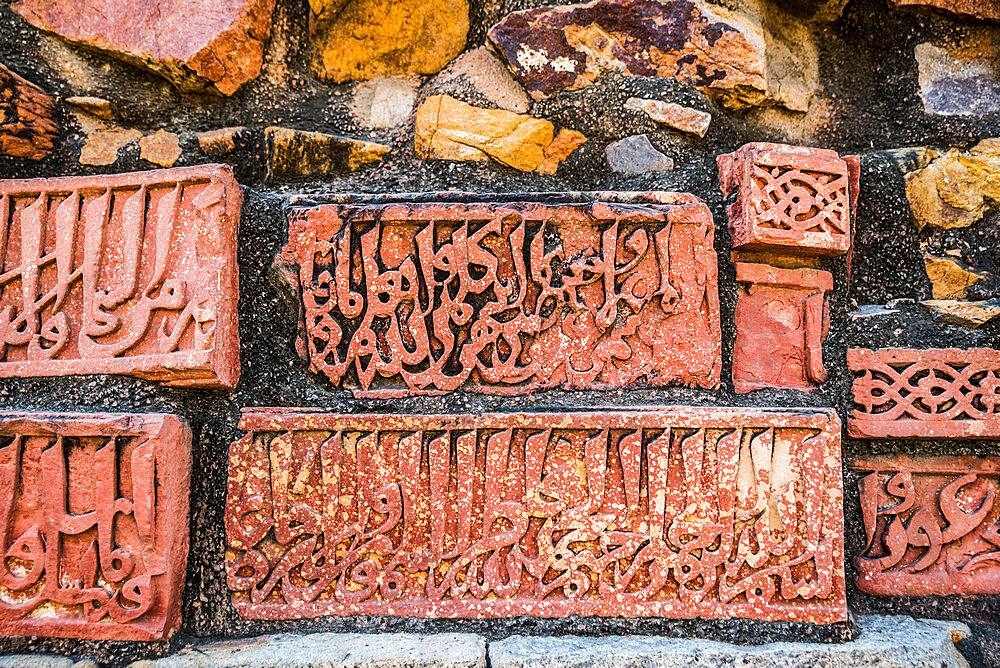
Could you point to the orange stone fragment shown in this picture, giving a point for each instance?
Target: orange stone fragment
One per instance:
(654, 512)
(983, 10)
(28, 128)
(95, 519)
(127, 273)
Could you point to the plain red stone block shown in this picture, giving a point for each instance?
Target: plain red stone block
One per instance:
(94, 511)
(664, 512)
(931, 525)
(792, 199)
(781, 321)
(507, 298)
(928, 393)
(127, 273)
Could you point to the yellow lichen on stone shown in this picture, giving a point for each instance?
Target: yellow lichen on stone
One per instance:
(948, 279)
(956, 189)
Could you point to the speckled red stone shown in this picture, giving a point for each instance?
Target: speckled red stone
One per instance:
(507, 298)
(925, 393)
(794, 199)
(127, 273)
(781, 320)
(932, 525)
(667, 512)
(94, 511)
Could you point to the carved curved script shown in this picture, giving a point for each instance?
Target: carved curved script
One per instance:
(699, 512)
(511, 298)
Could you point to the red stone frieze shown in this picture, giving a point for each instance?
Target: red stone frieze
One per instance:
(666, 512)
(126, 273)
(507, 298)
(782, 318)
(94, 511)
(932, 393)
(793, 199)
(932, 525)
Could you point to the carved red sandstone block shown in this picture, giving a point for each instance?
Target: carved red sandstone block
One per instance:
(94, 511)
(932, 525)
(666, 512)
(790, 198)
(128, 273)
(507, 298)
(934, 393)
(781, 320)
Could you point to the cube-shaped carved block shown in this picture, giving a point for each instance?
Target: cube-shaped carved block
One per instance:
(932, 525)
(426, 297)
(790, 199)
(126, 273)
(781, 321)
(655, 512)
(94, 511)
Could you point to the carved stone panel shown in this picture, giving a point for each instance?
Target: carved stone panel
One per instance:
(128, 273)
(933, 393)
(507, 298)
(94, 524)
(932, 525)
(667, 512)
(793, 199)
(781, 320)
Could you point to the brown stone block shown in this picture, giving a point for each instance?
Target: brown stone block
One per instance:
(933, 393)
(28, 128)
(791, 199)
(95, 524)
(665, 512)
(781, 321)
(983, 10)
(507, 298)
(931, 525)
(127, 273)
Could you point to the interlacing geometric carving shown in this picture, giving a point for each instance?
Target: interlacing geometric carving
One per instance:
(787, 198)
(674, 512)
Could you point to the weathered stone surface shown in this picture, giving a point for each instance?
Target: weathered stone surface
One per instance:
(95, 518)
(160, 148)
(222, 142)
(126, 273)
(565, 142)
(448, 129)
(794, 199)
(385, 102)
(195, 44)
(672, 115)
(957, 188)
(948, 279)
(616, 513)
(783, 312)
(931, 525)
(636, 155)
(490, 77)
(97, 106)
(958, 81)
(375, 38)
(102, 145)
(933, 393)
(28, 128)
(885, 642)
(716, 49)
(964, 314)
(579, 296)
(35, 661)
(985, 10)
(334, 650)
(295, 155)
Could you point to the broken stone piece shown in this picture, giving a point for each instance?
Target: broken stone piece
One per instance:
(448, 129)
(141, 280)
(28, 128)
(957, 188)
(102, 500)
(294, 155)
(983, 10)
(376, 38)
(197, 45)
(672, 115)
(102, 145)
(96, 106)
(565, 142)
(636, 155)
(663, 479)
(948, 279)
(160, 148)
(955, 83)
(719, 50)
(490, 77)
(385, 102)
(222, 142)
(964, 314)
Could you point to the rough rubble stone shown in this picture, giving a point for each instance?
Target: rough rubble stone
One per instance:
(984, 10)
(296, 155)
(96, 106)
(719, 50)
(102, 145)
(565, 142)
(35, 661)
(213, 45)
(955, 83)
(385, 102)
(28, 128)
(334, 650)
(160, 148)
(222, 142)
(365, 39)
(964, 314)
(636, 155)
(948, 279)
(672, 115)
(957, 188)
(488, 75)
(885, 642)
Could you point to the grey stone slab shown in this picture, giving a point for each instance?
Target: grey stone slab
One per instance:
(35, 661)
(885, 642)
(952, 86)
(636, 155)
(334, 650)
